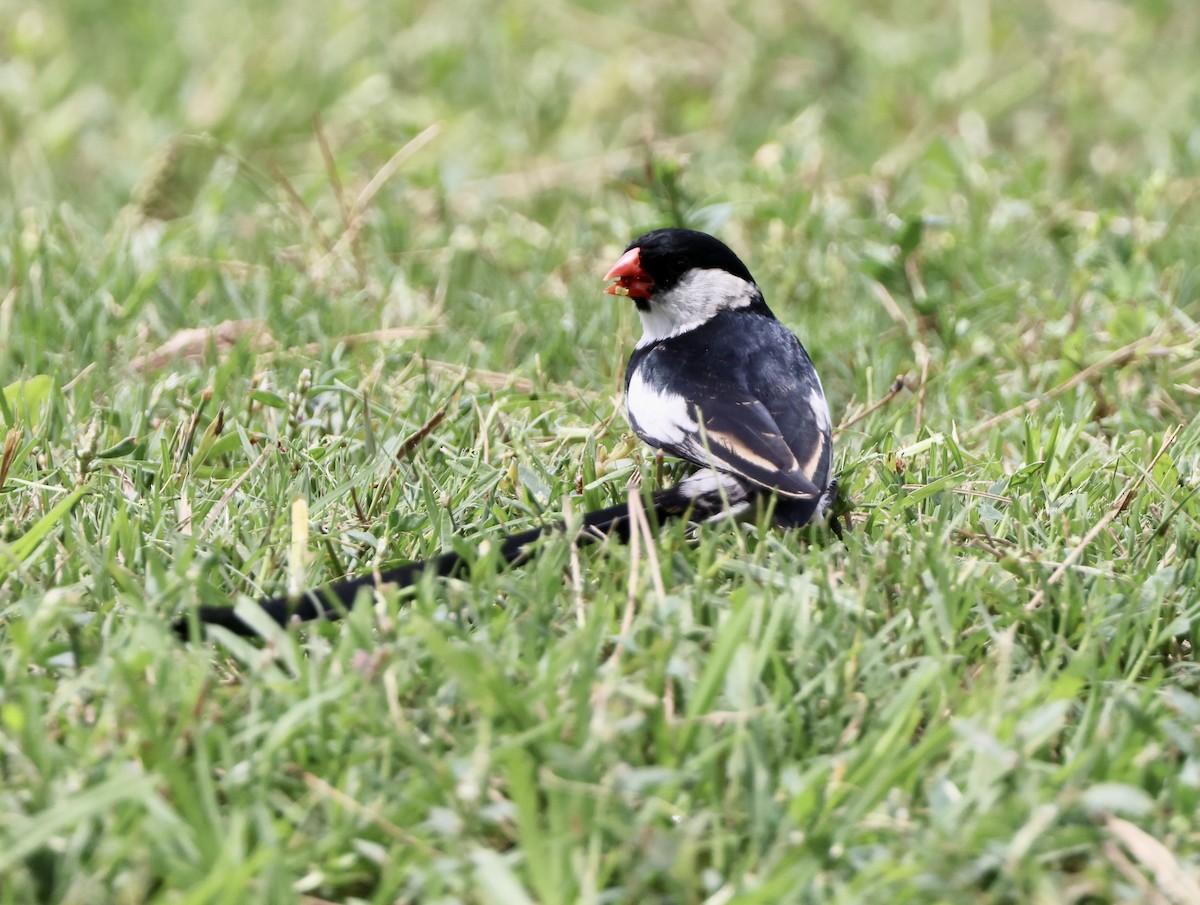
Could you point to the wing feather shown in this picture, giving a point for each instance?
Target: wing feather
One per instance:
(771, 426)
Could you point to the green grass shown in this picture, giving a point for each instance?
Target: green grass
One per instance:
(988, 693)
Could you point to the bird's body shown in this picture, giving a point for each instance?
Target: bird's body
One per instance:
(752, 420)
(715, 380)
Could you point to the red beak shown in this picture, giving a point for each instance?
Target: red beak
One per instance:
(631, 279)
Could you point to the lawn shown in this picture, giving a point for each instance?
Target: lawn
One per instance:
(296, 290)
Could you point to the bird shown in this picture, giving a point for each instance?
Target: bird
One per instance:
(715, 380)
(718, 380)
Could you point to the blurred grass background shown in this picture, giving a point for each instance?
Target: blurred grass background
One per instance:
(987, 694)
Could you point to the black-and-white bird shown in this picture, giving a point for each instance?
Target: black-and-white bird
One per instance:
(715, 380)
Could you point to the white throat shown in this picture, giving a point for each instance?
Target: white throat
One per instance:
(697, 298)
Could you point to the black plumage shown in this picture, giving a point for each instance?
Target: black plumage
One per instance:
(749, 386)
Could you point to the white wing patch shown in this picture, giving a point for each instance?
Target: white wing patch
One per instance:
(661, 416)
(820, 408)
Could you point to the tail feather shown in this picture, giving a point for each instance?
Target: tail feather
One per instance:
(706, 494)
(330, 601)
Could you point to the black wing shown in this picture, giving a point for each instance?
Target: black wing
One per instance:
(738, 394)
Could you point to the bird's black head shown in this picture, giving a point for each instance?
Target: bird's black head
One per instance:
(667, 254)
(654, 263)
(680, 279)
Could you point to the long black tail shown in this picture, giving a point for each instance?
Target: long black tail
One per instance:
(705, 494)
(332, 600)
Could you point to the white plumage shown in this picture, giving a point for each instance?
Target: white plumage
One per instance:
(699, 294)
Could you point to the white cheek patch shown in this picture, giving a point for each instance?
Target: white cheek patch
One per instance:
(663, 417)
(698, 297)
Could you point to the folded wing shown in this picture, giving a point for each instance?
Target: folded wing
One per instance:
(776, 437)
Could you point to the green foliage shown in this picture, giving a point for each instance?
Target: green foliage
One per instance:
(350, 253)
